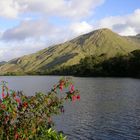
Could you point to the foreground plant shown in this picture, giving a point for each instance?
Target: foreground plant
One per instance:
(30, 117)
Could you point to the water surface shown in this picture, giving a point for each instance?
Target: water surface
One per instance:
(109, 108)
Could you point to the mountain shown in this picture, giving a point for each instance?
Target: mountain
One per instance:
(96, 43)
(138, 36)
(2, 63)
(135, 38)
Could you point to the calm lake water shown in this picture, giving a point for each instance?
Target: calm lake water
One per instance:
(109, 108)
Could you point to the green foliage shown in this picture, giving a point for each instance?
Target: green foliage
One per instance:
(119, 66)
(30, 117)
(50, 134)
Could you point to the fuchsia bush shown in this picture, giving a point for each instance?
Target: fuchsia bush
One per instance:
(30, 117)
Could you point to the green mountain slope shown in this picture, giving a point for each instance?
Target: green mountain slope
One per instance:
(96, 43)
(136, 38)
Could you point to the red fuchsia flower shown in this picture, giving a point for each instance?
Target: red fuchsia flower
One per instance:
(78, 97)
(17, 100)
(14, 94)
(25, 104)
(3, 96)
(16, 136)
(6, 119)
(74, 98)
(61, 85)
(72, 89)
(3, 106)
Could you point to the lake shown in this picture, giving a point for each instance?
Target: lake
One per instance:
(109, 108)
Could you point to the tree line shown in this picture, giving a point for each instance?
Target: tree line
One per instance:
(118, 66)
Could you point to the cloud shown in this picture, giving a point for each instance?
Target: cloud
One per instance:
(9, 8)
(124, 25)
(64, 8)
(79, 28)
(60, 8)
(10, 50)
(40, 30)
(27, 30)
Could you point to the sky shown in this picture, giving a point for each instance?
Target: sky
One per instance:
(27, 26)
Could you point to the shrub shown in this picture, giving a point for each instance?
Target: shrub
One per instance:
(30, 117)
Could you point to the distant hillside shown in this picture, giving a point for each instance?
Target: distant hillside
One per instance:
(97, 43)
(136, 38)
(2, 63)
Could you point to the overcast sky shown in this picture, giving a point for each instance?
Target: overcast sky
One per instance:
(27, 26)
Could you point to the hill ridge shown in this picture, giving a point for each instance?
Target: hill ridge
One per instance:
(97, 42)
